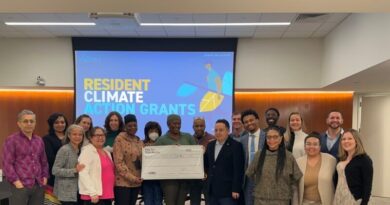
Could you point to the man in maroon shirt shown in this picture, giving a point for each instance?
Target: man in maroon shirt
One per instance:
(25, 163)
(201, 138)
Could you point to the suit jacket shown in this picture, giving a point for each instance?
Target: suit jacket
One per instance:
(325, 178)
(245, 141)
(225, 174)
(334, 151)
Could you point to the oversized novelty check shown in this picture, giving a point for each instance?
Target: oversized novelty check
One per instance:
(172, 162)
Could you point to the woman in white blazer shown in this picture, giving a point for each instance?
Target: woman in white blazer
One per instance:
(316, 186)
(96, 180)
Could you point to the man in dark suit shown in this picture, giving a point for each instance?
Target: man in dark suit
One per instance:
(224, 166)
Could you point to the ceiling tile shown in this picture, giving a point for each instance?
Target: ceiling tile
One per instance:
(176, 18)
(39, 17)
(238, 18)
(328, 26)
(209, 18)
(337, 17)
(12, 17)
(272, 28)
(215, 29)
(148, 18)
(150, 29)
(240, 29)
(277, 17)
(319, 34)
(79, 17)
(298, 27)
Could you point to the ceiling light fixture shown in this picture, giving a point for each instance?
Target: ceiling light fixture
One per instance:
(219, 24)
(50, 23)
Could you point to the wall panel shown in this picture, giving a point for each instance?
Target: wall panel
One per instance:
(314, 106)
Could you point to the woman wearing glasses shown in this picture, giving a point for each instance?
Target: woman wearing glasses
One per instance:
(316, 186)
(275, 171)
(96, 180)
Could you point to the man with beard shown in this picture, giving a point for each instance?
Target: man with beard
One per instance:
(271, 118)
(237, 127)
(331, 137)
(175, 190)
(197, 186)
(252, 141)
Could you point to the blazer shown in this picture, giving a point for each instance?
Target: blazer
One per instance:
(64, 168)
(90, 182)
(325, 178)
(245, 141)
(225, 174)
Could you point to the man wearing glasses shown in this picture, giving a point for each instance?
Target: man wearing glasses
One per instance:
(25, 163)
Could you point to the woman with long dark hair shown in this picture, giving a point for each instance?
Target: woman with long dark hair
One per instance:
(53, 140)
(275, 171)
(114, 125)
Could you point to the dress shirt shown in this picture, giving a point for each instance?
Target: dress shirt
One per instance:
(257, 139)
(218, 147)
(331, 142)
(25, 159)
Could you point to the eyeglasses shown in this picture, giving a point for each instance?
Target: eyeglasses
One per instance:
(273, 137)
(312, 144)
(99, 135)
(28, 121)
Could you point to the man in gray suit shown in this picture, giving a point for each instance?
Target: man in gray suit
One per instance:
(252, 141)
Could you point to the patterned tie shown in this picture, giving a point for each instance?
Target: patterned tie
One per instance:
(252, 149)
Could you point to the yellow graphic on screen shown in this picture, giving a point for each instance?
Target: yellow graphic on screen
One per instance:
(210, 101)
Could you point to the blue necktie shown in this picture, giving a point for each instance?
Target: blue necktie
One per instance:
(252, 149)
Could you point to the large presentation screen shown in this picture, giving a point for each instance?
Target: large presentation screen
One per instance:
(154, 84)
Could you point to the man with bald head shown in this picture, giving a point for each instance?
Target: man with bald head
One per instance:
(201, 138)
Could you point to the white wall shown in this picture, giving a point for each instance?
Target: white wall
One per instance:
(375, 118)
(278, 63)
(22, 60)
(359, 42)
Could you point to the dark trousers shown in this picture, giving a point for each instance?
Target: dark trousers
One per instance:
(27, 196)
(197, 187)
(126, 195)
(175, 191)
(222, 201)
(151, 192)
(68, 203)
(100, 202)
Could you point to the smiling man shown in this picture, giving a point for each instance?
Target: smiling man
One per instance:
(331, 137)
(175, 190)
(252, 141)
(24, 162)
(271, 118)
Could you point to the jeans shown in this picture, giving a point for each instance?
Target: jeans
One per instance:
(152, 193)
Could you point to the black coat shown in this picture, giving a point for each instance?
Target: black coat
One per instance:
(224, 175)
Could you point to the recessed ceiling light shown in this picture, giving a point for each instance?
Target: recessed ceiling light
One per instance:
(219, 24)
(50, 23)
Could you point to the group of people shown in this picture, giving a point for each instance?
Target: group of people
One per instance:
(274, 165)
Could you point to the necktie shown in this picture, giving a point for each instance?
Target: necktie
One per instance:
(252, 149)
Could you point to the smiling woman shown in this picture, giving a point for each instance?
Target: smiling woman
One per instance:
(274, 171)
